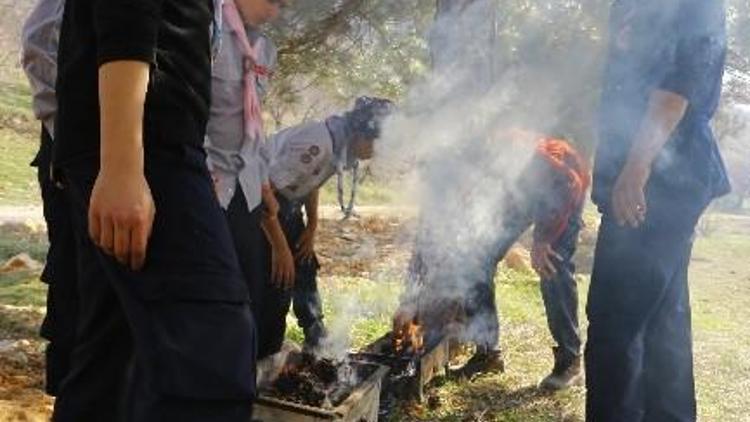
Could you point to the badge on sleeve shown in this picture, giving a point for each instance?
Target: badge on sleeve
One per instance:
(314, 150)
(306, 158)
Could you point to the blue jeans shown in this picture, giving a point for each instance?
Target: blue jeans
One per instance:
(560, 294)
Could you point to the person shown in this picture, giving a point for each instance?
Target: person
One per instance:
(548, 192)
(240, 78)
(39, 42)
(163, 329)
(657, 168)
(301, 159)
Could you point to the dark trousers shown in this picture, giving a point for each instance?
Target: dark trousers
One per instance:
(174, 341)
(269, 303)
(308, 307)
(560, 294)
(60, 272)
(639, 365)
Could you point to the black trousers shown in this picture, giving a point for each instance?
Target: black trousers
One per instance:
(174, 341)
(269, 303)
(60, 271)
(307, 305)
(639, 361)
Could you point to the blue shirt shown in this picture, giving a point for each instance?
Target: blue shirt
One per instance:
(672, 45)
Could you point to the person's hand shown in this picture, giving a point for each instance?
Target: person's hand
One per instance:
(215, 181)
(282, 267)
(628, 197)
(121, 215)
(542, 255)
(306, 245)
(269, 200)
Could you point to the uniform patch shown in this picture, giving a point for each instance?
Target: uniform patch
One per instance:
(314, 150)
(306, 158)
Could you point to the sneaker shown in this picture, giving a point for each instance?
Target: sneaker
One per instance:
(483, 361)
(566, 373)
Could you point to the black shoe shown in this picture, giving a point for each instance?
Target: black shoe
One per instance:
(566, 373)
(484, 361)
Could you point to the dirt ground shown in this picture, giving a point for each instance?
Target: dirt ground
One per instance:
(378, 245)
(358, 248)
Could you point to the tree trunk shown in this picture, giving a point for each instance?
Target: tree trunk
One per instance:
(462, 41)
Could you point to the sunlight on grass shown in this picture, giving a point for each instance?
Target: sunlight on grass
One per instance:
(18, 185)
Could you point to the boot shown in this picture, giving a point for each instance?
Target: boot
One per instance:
(485, 360)
(566, 373)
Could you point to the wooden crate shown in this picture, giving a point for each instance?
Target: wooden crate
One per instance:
(410, 374)
(361, 405)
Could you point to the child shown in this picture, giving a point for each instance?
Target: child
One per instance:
(164, 330)
(240, 78)
(301, 159)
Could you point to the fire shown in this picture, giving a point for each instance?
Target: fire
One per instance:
(409, 338)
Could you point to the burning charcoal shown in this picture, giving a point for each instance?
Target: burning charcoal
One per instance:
(320, 383)
(286, 384)
(325, 371)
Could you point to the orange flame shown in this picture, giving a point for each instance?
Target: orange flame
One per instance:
(409, 338)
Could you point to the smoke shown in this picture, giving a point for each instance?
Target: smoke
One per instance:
(461, 139)
(337, 343)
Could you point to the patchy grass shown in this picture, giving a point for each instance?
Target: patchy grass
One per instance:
(19, 133)
(358, 310)
(22, 289)
(15, 98)
(18, 185)
(720, 277)
(18, 238)
(511, 396)
(361, 308)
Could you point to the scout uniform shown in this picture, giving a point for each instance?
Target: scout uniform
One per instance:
(301, 159)
(39, 59)
(173, 341)
(237, 167)
(639, 353)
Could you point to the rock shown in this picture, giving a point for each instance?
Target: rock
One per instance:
(18, 357)
(13, 351)
(20, 262)
(6, 346)
(518, 259)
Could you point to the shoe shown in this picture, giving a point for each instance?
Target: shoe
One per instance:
(486, 361)
(566, 373)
